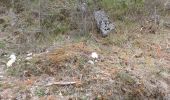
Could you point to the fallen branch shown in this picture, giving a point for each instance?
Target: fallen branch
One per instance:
(61, 83)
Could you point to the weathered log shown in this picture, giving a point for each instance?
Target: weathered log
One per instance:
(103, 23)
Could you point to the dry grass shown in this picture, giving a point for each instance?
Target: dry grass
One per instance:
(133, 63)
(133, 68)
(68, 52)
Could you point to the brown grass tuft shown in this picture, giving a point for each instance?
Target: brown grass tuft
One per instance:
(68, 52)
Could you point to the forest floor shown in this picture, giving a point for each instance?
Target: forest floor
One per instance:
(130, 65)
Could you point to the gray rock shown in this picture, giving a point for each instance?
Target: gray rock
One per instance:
(103, 23)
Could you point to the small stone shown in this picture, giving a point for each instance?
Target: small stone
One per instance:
(11, 61)
(28, 58)
(91, 62)
(94, 55)
(29, 54)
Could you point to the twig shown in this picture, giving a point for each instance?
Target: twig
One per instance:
(61, 83)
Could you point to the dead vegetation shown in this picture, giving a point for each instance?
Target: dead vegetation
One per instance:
(69, 52)
(133, 61)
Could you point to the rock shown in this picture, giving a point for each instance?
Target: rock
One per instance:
(94, 55)
(138, 53)
(91, 62)
(29, 54)
(28, 58)
(11, 61)
(103, 23)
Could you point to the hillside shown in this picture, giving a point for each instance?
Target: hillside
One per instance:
(62, 55)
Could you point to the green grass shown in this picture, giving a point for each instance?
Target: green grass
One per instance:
(118, 8)
(13, 71)
(126, 78)
(40, 92)
(61, 28)
(1, 85)
(115, 39)
(20, 67)
(81, 61)
(2, 45)
(120, 40)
